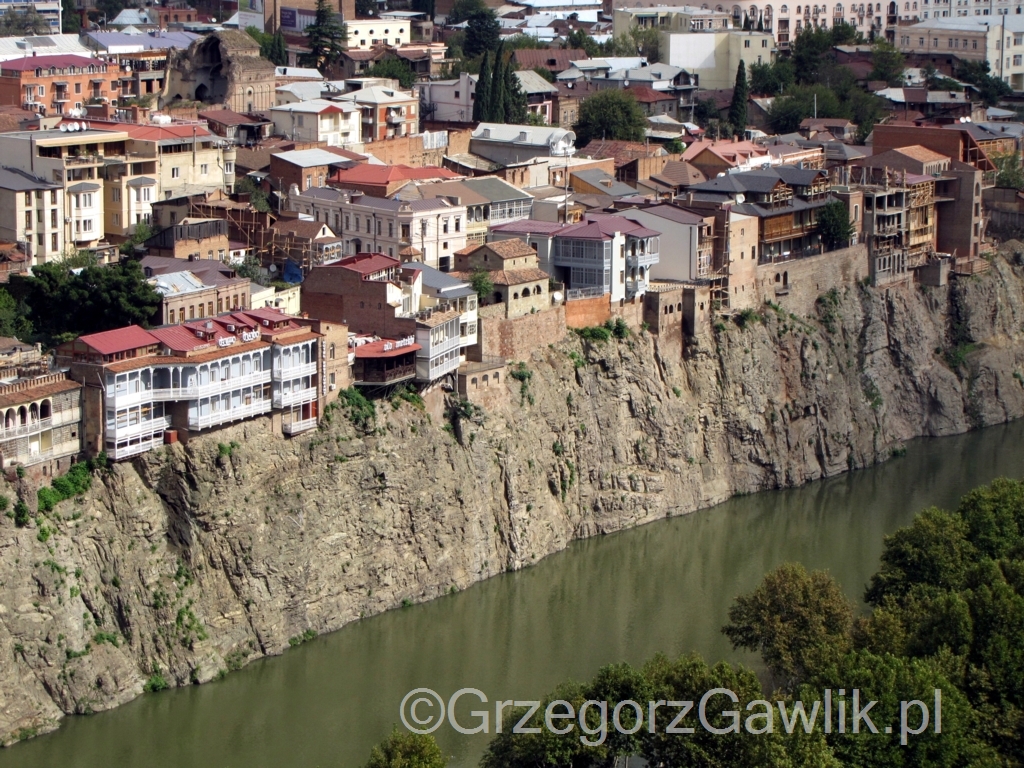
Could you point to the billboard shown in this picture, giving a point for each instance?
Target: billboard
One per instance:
(289, 18)
(250, 14)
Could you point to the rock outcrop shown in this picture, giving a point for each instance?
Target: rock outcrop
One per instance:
(192, 560)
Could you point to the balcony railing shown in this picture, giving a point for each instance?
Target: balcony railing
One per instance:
(223, 416)
(389, 376)
(295, 427)
(134, 449)
(41, 425)
(165, 394)
(584, 293)
(295, 397)
(147, 426)
(634, 287)
(641, 259)
(294, 372)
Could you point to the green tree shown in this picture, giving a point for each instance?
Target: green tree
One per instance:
(13, 317)
(394, 68)
(846, 34)
(771, 79)
(482, 33)
(110, 8)
(798, 621)
(407, 750)
(257, 197)
(425, 6)
(646, 42)
(63, 304)
(482, 102)
(581, 40)
(1011, 175)
(325, 37)
(797, 103)
(991, 89)
(524, 42)
(811, 49)
(675, 147)
(610, 114)
(27, 22)
(279, 50)
(704, 111)
(463, 10)
(498, 97)
(143, 231)
(480, 279)
(740, 94)
(834, 225)
(515, 98)
(888, 63)
(70, 20)
(252, 269)
(546, 73)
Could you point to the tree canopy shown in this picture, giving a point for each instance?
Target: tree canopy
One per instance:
(991, 89)
(738, 106)
(27, 22)
(946, 613)
(407, 750)
(70, 20)
(394, 68)
(834, 224)
(462, 10)
(610, 114)
(482, 33)
(888, 63)
(325, 37)
(62, 304)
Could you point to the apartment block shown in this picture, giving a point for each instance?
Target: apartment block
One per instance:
(54, 85)
(32, 213)
(334, 123)
(428, 230)
(605, 254)
(143, 388)
(380, 298)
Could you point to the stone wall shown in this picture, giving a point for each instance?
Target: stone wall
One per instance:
(796, 285)
(408, 150)
(516, 338)
(584, 313)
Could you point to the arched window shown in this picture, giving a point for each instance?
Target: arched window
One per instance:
(515, 295)
(45, 411)
(784, 9)
(486, 380)
(332, 351)
(474, 382)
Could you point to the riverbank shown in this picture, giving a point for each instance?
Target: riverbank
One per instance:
(191, 562)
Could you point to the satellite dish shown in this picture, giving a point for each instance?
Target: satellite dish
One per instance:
(78, 126)
(85, 126)
(272, 268)
(63, 128)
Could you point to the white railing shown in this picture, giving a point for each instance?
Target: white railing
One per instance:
(295, 427)
(211, 388)
(119, 432)
(136, 448)
(294, 371)
(295, 397)
(58, 419)
(225, 415)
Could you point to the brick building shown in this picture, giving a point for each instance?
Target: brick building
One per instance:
(52, 85)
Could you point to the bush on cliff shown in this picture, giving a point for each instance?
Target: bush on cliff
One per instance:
(74, 483)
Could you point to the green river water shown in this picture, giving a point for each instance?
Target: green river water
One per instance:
(664, 587)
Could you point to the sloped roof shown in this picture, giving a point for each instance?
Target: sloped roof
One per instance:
(603, 181)
(532, 83)
(621, 152)
(31, 63)
(646, 95)
(604, 227)
(366, 173)
(679, 173)
(119, 340)
(555, 60)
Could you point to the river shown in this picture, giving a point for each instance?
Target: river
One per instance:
(664, 587)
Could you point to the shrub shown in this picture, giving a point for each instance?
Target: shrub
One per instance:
(21, 514)
(76, 482)
(361, 411)
(155, 683)
(593, 333)
(747, 316)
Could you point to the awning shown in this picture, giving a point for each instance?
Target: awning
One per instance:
(142, 181)
(62, 83)
(98, 80)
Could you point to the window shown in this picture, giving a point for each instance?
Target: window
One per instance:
(116, 195)
(309, 180)
(764, 43)
(444, 226)
(746, 43)
(203, 168)
(456, 94)
(458, 223)
(53, 196)
(229, 168)
(175, 173)
(53, 242)
(87, 225)
(1016, 60)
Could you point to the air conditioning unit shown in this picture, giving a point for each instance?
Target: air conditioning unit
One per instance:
(266, 323)
(333, 387)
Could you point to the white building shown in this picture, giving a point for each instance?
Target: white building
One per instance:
(428, 230)
(336, 123)
(32, 212)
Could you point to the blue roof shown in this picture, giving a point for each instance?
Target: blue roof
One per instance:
(150, 42)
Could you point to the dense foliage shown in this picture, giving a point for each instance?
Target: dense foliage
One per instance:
(499, 95)
(738, 106)
(393, 68)
(482, 33)
(63, 304)
(610, 114)
(946, 613)
(406, 750)
(834, 224)
(325, 37)
(991, 89)
(27, 22)
(272, 46)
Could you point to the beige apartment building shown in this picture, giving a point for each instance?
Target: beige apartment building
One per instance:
(32, 212)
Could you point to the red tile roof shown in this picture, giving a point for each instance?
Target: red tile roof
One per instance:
(377, 349)
(600, 227)
(226, 117)
(150, 132)
(554, 60)
(367, 263)
(646, 95)
(45, 62)
(120, 340)
(385, 174)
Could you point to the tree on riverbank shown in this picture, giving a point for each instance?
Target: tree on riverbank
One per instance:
(947, 614)
(407, 750)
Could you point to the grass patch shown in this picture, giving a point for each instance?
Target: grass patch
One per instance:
(155, 683)
(361, 411)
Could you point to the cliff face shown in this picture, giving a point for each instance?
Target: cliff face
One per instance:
(194, 560)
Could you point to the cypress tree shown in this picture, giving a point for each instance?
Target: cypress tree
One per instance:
(738, 107)
(515, 99)
(497, 114)
(482, 103)
(760, 24)
(279, 50)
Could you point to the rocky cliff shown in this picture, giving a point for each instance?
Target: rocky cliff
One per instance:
(192, 560)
